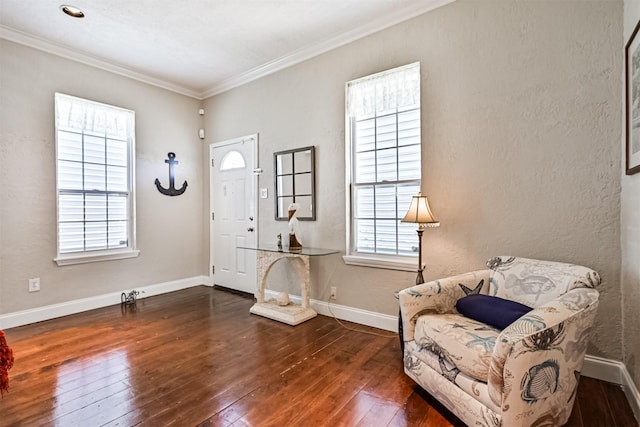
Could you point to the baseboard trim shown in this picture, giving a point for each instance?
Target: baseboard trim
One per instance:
(603, 369)
(39, 314)
(357, 315)
(631, 391)
(343, 312)
(614, 372)
(594, 367)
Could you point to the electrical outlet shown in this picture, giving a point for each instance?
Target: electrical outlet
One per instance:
(334, 293)
(34, 285)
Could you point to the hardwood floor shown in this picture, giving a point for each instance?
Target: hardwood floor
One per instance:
(198, 358)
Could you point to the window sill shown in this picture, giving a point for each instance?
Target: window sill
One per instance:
(87, 257)
(388, 263)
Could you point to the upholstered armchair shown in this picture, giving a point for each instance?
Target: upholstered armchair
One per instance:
(493, 370)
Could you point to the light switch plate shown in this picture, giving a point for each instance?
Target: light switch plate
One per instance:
(264, 193)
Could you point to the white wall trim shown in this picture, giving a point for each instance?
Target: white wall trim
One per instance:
(631, 391)
(614, 372)
(594, 367)
(343, 312)
(308, 52)
(83, 58)
(603, 369)
(357, 315)
(375, 25)
(388, 262)
(39, 314)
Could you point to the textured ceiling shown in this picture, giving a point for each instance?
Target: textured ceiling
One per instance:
(199, 47)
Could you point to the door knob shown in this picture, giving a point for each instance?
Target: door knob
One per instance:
(250, 229)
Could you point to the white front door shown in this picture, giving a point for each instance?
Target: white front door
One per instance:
(234, 220)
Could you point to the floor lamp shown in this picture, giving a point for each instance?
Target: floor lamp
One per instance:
(420, 213)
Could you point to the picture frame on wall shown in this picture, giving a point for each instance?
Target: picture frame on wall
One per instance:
(632, 95)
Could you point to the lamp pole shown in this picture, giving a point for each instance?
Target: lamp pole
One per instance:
(420, 279)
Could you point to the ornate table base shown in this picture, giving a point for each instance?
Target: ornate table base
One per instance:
(291, 314)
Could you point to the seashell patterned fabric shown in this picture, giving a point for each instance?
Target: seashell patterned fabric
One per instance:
(471, 342)
(438, 296)
(534, 282)
(534, 364)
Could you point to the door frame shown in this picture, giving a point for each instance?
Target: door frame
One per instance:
(255, 173)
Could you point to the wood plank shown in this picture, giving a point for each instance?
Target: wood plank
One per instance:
(575, 420)
(594, 412)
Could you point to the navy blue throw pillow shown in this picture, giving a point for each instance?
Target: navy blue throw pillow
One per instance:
(494, 311)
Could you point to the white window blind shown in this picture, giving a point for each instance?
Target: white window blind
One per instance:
(383, 114)
(94, 146)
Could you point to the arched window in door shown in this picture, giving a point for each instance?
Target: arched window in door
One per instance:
(232, 160)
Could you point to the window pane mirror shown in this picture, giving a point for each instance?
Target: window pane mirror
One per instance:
(295, 183)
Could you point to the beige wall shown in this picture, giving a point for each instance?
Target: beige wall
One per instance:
(169, 228)
(521, 131)
(521, 118)
(630, 227)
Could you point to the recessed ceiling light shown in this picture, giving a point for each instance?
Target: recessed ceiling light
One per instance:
(72, 11)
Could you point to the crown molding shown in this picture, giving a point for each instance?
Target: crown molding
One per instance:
(270, 67)
(309, 52)
(83, 58)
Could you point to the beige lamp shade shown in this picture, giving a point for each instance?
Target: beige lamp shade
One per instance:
(420, 212)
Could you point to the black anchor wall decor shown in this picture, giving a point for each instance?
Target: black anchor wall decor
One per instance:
(171, 191)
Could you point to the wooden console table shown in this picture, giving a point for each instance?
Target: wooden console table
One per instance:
(268, 255)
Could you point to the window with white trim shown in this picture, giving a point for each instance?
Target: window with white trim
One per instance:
(383, 167)
(94, 176)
